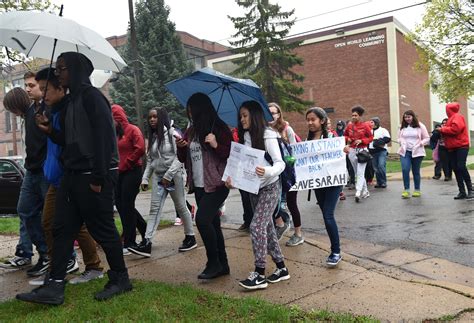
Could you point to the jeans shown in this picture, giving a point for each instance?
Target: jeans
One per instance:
(208, 222)
(30, 207)
(408, 162)
(78, 204)
(359, 170)
(458, 158)
(24, 248)
(379, 162)
(126, 193)
(158, 198)
(327, 198)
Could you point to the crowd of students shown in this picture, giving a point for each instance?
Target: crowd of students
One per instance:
(83, 156)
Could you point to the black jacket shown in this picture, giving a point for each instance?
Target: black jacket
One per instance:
(35, 142)
(90, 142)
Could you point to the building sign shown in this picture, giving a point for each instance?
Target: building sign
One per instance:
(363, 42)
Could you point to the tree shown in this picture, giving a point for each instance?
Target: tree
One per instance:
(446, 47)
(268, 57)
(162, 59)
(7, 58)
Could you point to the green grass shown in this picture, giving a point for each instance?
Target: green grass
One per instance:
(11, 225)
(159, 302)
(470, 166)
(394, 166)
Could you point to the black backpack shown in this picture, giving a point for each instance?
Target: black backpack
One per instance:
(288, 176)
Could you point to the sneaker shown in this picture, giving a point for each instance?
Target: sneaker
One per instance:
(40, 268)
(52, 292)
(143, 249)
(436, 177)
(245, 227)
(254, 281)
(333, 259)
(72, 266)
(118, 283)
(126, 252)
(294, 241)
(178, 221)
(39, 281)
(405, 195)
(416, 194)
(189, 243)
(86, 276)
(447, 179)
(342, 196)
(460, 196)
(365, 195)
(16, 262)
(278, 275)
(357, 196)
(280, 231)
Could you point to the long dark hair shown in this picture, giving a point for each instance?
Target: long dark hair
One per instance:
(204, 119)
(322, 115)
(280, 123)
(163, 121)
(414, 124)
(258, 124)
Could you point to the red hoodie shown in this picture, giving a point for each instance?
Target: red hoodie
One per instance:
(360, 130)
(455, 132)
(131, 146)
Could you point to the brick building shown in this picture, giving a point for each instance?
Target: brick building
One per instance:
(370, 64)
(196, 50)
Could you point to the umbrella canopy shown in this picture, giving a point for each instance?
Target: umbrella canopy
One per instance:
(227, 93)
(33, 34)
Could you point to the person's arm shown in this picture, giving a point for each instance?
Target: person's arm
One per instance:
(223, 145)
(290, 133)
(175, 166)
(148, 170)
(138, 143)
(425, 137)
(273, 149)
(455, 127)
(103, 132)
(369, 136)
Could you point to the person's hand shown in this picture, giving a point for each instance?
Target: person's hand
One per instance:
(346, 149)
(181, 143)
(43, 123)
(144, 187)
(228, 183)
(211, 140)
(358, 142)
(260, 171)
(96, 188)
(165, 182)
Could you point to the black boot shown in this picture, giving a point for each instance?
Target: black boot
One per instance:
(51, 292)
(460, 196)
(211, 271)
(118, 283)
(470, 195)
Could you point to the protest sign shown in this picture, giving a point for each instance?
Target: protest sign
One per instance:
(241, 166)
(319, 163)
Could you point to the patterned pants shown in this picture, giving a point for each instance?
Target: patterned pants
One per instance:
(264, 238)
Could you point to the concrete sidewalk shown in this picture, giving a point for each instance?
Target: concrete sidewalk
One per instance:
(388, 284)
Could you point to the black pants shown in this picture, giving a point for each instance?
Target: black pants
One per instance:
(445, 164)
(247, 206)
(76, 204)
(458, 158)
(208, 223)
(126, 193)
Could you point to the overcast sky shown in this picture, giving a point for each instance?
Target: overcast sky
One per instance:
(207, 19)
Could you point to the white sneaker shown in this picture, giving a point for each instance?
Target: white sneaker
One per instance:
(126, 252)
(86, 276)
(365, 195)
(357, 196)
(178, 221)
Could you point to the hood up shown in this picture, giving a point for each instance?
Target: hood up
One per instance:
(79, 69)
(452, 108)
(119, 115)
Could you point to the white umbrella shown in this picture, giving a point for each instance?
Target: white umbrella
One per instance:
(33, 34)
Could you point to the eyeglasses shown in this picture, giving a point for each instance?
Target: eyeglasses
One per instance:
(60, 69)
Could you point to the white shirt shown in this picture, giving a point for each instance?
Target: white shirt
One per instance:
(380, 133)
(411, 137)
(196, 162)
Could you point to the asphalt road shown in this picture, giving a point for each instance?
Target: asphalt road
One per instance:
(434, 224)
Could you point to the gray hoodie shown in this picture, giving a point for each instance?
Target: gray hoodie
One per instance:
(163, 160)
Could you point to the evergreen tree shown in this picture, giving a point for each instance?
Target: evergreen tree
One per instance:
(446, 47)
(162, 59)
(268, 57)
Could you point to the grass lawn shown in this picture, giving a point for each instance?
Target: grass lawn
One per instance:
(159, 302)
(394, 166)
(470, 166)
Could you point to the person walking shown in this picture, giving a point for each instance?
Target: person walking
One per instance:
(412, 138)
(204, 149)
(131, 148)
(358, 136)
(444, 156)
(327, 197)
(291, 197)
(166, 173)
(456, 140)
(378, 150)
(86, 192)
(254, 132)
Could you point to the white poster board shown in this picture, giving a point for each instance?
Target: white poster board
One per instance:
(241, 166)
(319, 163)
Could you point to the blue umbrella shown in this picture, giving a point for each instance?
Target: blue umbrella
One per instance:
(227, 93)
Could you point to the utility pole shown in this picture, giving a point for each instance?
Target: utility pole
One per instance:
(133, 45)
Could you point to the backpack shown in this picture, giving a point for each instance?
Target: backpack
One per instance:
(288, 176)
